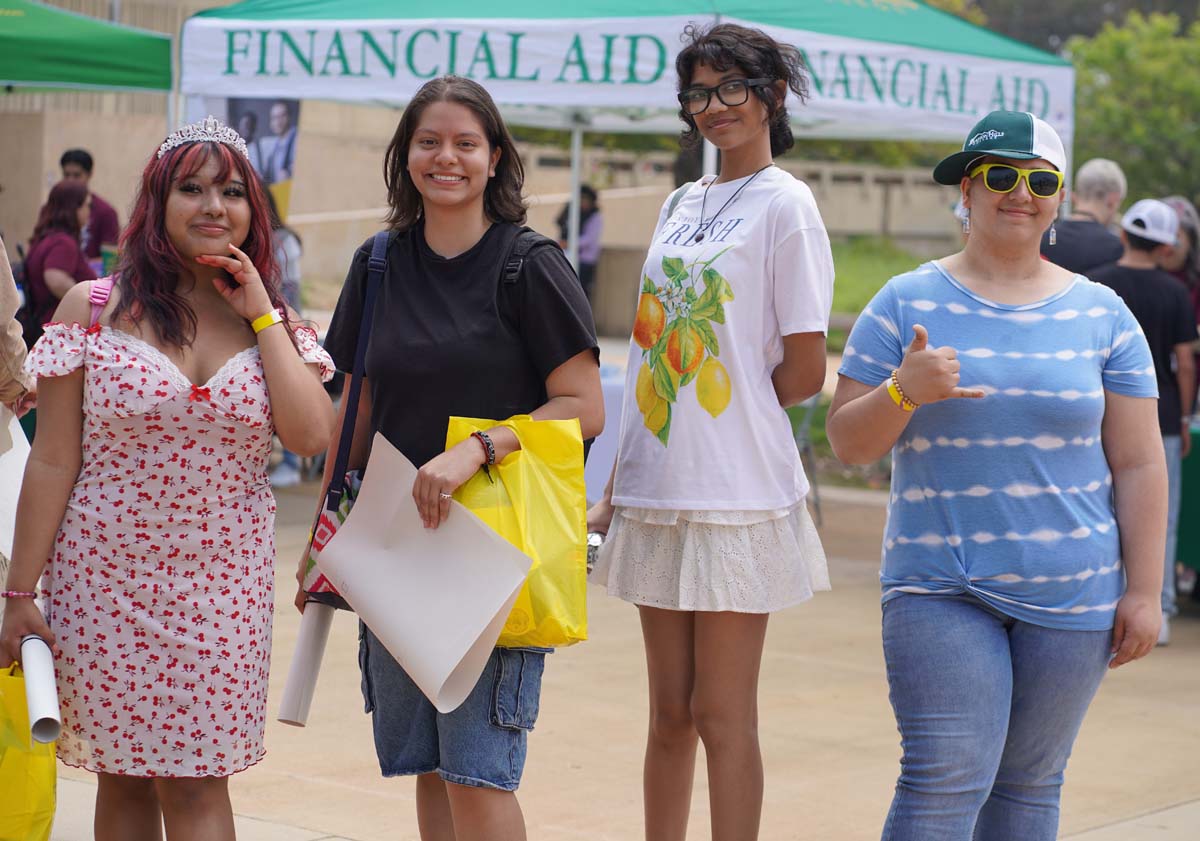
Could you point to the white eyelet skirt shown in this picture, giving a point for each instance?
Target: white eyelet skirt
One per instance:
(742, 561)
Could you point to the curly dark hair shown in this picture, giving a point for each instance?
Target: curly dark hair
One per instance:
(502, 201)
(727, 46)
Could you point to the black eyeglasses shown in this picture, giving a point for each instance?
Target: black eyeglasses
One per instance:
(732, 93)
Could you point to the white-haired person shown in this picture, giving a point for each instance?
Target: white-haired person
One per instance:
(1022, 557)
(1084, 240)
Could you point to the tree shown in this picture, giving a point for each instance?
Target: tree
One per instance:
(1137, 102)
(966, 9)
(1048, 25)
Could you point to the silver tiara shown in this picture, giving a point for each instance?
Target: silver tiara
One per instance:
(208, 130)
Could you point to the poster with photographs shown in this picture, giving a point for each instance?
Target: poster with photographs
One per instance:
(269, 128)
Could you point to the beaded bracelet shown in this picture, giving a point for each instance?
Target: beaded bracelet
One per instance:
(897, 393)
(18, 594)
(489, 451)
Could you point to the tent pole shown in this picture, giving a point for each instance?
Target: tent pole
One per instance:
(710, 158)
(173, 93)
(576, 183)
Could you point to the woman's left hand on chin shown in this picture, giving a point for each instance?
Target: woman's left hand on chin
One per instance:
(249, 297)
(443, 475)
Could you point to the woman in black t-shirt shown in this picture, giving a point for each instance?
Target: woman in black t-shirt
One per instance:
(448, 337)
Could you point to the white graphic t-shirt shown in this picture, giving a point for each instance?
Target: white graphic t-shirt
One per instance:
(701, 427)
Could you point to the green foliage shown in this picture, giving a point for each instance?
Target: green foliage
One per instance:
(1138, 102)
(967, 9)
(862, 265)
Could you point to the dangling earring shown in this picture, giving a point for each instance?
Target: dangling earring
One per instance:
(1053, 235)
(966, 222)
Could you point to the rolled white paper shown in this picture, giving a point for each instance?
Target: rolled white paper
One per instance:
(41, 691)
(306, 664)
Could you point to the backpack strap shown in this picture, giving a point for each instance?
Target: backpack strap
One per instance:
(677, 197)
(98, 296)
(377, 265)
(523, 244)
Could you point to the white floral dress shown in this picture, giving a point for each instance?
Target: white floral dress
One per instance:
(160, 586)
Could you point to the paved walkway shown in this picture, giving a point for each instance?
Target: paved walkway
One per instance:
(829, 740)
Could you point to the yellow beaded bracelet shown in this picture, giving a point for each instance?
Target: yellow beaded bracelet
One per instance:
(898, 395)
(264, 321)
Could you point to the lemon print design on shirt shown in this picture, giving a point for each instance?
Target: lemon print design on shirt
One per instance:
(674, 330)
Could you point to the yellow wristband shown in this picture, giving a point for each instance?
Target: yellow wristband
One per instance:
(264, 321)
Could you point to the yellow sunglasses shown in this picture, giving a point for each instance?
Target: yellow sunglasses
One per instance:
(1003, 178)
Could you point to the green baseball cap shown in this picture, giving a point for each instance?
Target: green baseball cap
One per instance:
(1006, 134)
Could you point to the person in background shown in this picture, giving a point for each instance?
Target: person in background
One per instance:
(591, 226)
(103, 227)
(281, 154)
(1161, 305)
(1022, 557)
(1083, 241)
(56, 260)
(287, 257)
(247, 127)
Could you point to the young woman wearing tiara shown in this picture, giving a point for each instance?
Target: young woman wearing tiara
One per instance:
(146, 499)
(707, 527)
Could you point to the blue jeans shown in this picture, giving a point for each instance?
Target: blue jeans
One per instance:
(988, 708)
(1173, 445)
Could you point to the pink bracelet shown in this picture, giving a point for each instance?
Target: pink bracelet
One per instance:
(17, 594)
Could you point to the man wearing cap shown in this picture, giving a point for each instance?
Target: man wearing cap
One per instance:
(1161, 305)
(1083, 240)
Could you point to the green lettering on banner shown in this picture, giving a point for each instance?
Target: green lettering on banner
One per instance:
(921, 90)
(941, 93)
(997, 102)
(868, 73)
(453, 59)
(232, 49)
(609, 40)
(575, 58)
(306, 61)
(842, 79)
(963, 75)
(896, 83)
(514, 59)
(410, 53)
(483, 55)
(1038, 86)
(634, 41)
(263, 35)
(388, 61)
(336, 52)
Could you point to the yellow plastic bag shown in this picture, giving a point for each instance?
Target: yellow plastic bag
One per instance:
(538, 502)
(27, 772)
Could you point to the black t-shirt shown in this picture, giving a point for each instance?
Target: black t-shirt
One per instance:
(446, 339)
(1161, 305)
(1082, 245)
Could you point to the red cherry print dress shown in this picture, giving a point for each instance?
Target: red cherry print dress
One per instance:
(160, 586)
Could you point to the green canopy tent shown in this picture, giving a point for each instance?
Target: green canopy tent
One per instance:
(879, 69)
(45, 47)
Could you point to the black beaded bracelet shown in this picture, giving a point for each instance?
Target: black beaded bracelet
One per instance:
(489, 449)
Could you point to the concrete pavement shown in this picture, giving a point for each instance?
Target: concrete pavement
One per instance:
(829, 740)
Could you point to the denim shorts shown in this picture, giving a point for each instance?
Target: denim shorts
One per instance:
(481, 744)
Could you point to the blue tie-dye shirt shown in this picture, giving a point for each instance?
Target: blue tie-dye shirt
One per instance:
(1008, 497)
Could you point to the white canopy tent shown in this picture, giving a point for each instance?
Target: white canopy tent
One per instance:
(879, 69)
